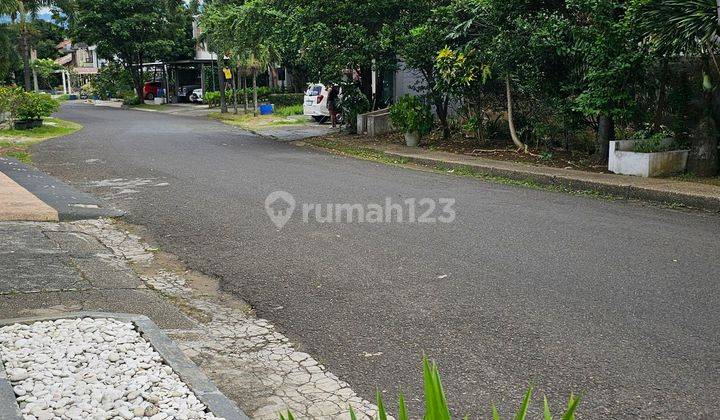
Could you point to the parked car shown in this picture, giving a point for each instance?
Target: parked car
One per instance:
(184, 93)
(196, 96)
(315, 102)
(151, 90)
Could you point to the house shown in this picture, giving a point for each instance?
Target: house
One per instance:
(80, 64)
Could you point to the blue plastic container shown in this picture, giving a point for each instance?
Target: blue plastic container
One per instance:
(266, 109)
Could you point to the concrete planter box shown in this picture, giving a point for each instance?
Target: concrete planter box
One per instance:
(374, 123)
(159, 101)
(412, 139)
(623, 160)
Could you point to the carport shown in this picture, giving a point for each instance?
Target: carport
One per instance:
(174, 74)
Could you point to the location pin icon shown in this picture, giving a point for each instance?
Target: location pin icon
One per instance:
(280, 206)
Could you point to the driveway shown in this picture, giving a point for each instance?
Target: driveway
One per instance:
(618, 300)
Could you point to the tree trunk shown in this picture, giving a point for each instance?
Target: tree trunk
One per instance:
(25, 50)
(511, 123)
(234, 77)
(245, 93)
(136, 75)
(378, 97)
(441, 109)
(255, 102)
(221, 79)
(703, 158)
(366, 82)
(661, 97)
(606, 134)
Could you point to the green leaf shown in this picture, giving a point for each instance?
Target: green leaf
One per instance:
(572, 405)
(352, 414)
(522, 413)
(546, 410)
(402, 409)
(495, 413)
(382, 415)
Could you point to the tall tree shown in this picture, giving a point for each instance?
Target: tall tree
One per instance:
(610, 60)
(244, 33)
(417, 37)
(132, 31)
(690, 30)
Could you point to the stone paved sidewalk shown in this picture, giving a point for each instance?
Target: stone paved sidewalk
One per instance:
(53, 268)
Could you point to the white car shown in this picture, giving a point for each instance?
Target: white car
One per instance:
(196, 96)
(315, 102)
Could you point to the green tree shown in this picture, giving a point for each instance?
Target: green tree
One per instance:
(344, 37)
(133, 31)
(44, 68)
(689, 30)
(44, 37)
(610, 63)
(417, 37)
(243, 33)
(505, 49)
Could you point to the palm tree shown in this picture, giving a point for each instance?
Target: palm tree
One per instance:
(21, 9)
(690, 29)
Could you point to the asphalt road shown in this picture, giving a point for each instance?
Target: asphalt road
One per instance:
(572, 294)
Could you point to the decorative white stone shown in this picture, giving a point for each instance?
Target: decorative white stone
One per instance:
(92, 369)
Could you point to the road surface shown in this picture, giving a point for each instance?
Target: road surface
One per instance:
(572, 294)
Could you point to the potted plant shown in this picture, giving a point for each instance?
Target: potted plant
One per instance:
(29, 108)
(412, 116)
(647, 155)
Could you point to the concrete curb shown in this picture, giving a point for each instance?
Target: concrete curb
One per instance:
(624, 190)
(68, 202)
(188, 372)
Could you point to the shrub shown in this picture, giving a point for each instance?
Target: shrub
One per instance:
(353, 103)
(436, 407)
(287, 111)
(286, 99)
(410, 114)
(113, 80)
(212, 98)
(7, 98)
(131, 100)
(647, 142)
(28, 106)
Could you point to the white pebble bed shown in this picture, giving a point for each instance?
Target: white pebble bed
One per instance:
(92, 369)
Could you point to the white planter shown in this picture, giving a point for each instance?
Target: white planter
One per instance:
(159, 101)
(623, 160)
(412, 139)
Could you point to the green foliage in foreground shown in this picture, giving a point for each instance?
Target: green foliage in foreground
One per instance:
(436, 407)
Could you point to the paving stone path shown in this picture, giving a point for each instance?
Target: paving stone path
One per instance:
(96, 265)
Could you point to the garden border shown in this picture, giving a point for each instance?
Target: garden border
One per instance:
(188, 372)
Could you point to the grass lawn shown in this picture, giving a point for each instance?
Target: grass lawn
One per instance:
(282, 117)
(14, 143)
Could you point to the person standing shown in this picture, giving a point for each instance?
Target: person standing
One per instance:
(333, 104)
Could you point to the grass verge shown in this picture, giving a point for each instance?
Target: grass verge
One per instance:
(149, 107)
(283, 117)
(367, 153)
(15, 143)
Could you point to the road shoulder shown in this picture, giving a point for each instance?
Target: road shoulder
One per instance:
(663, 191)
